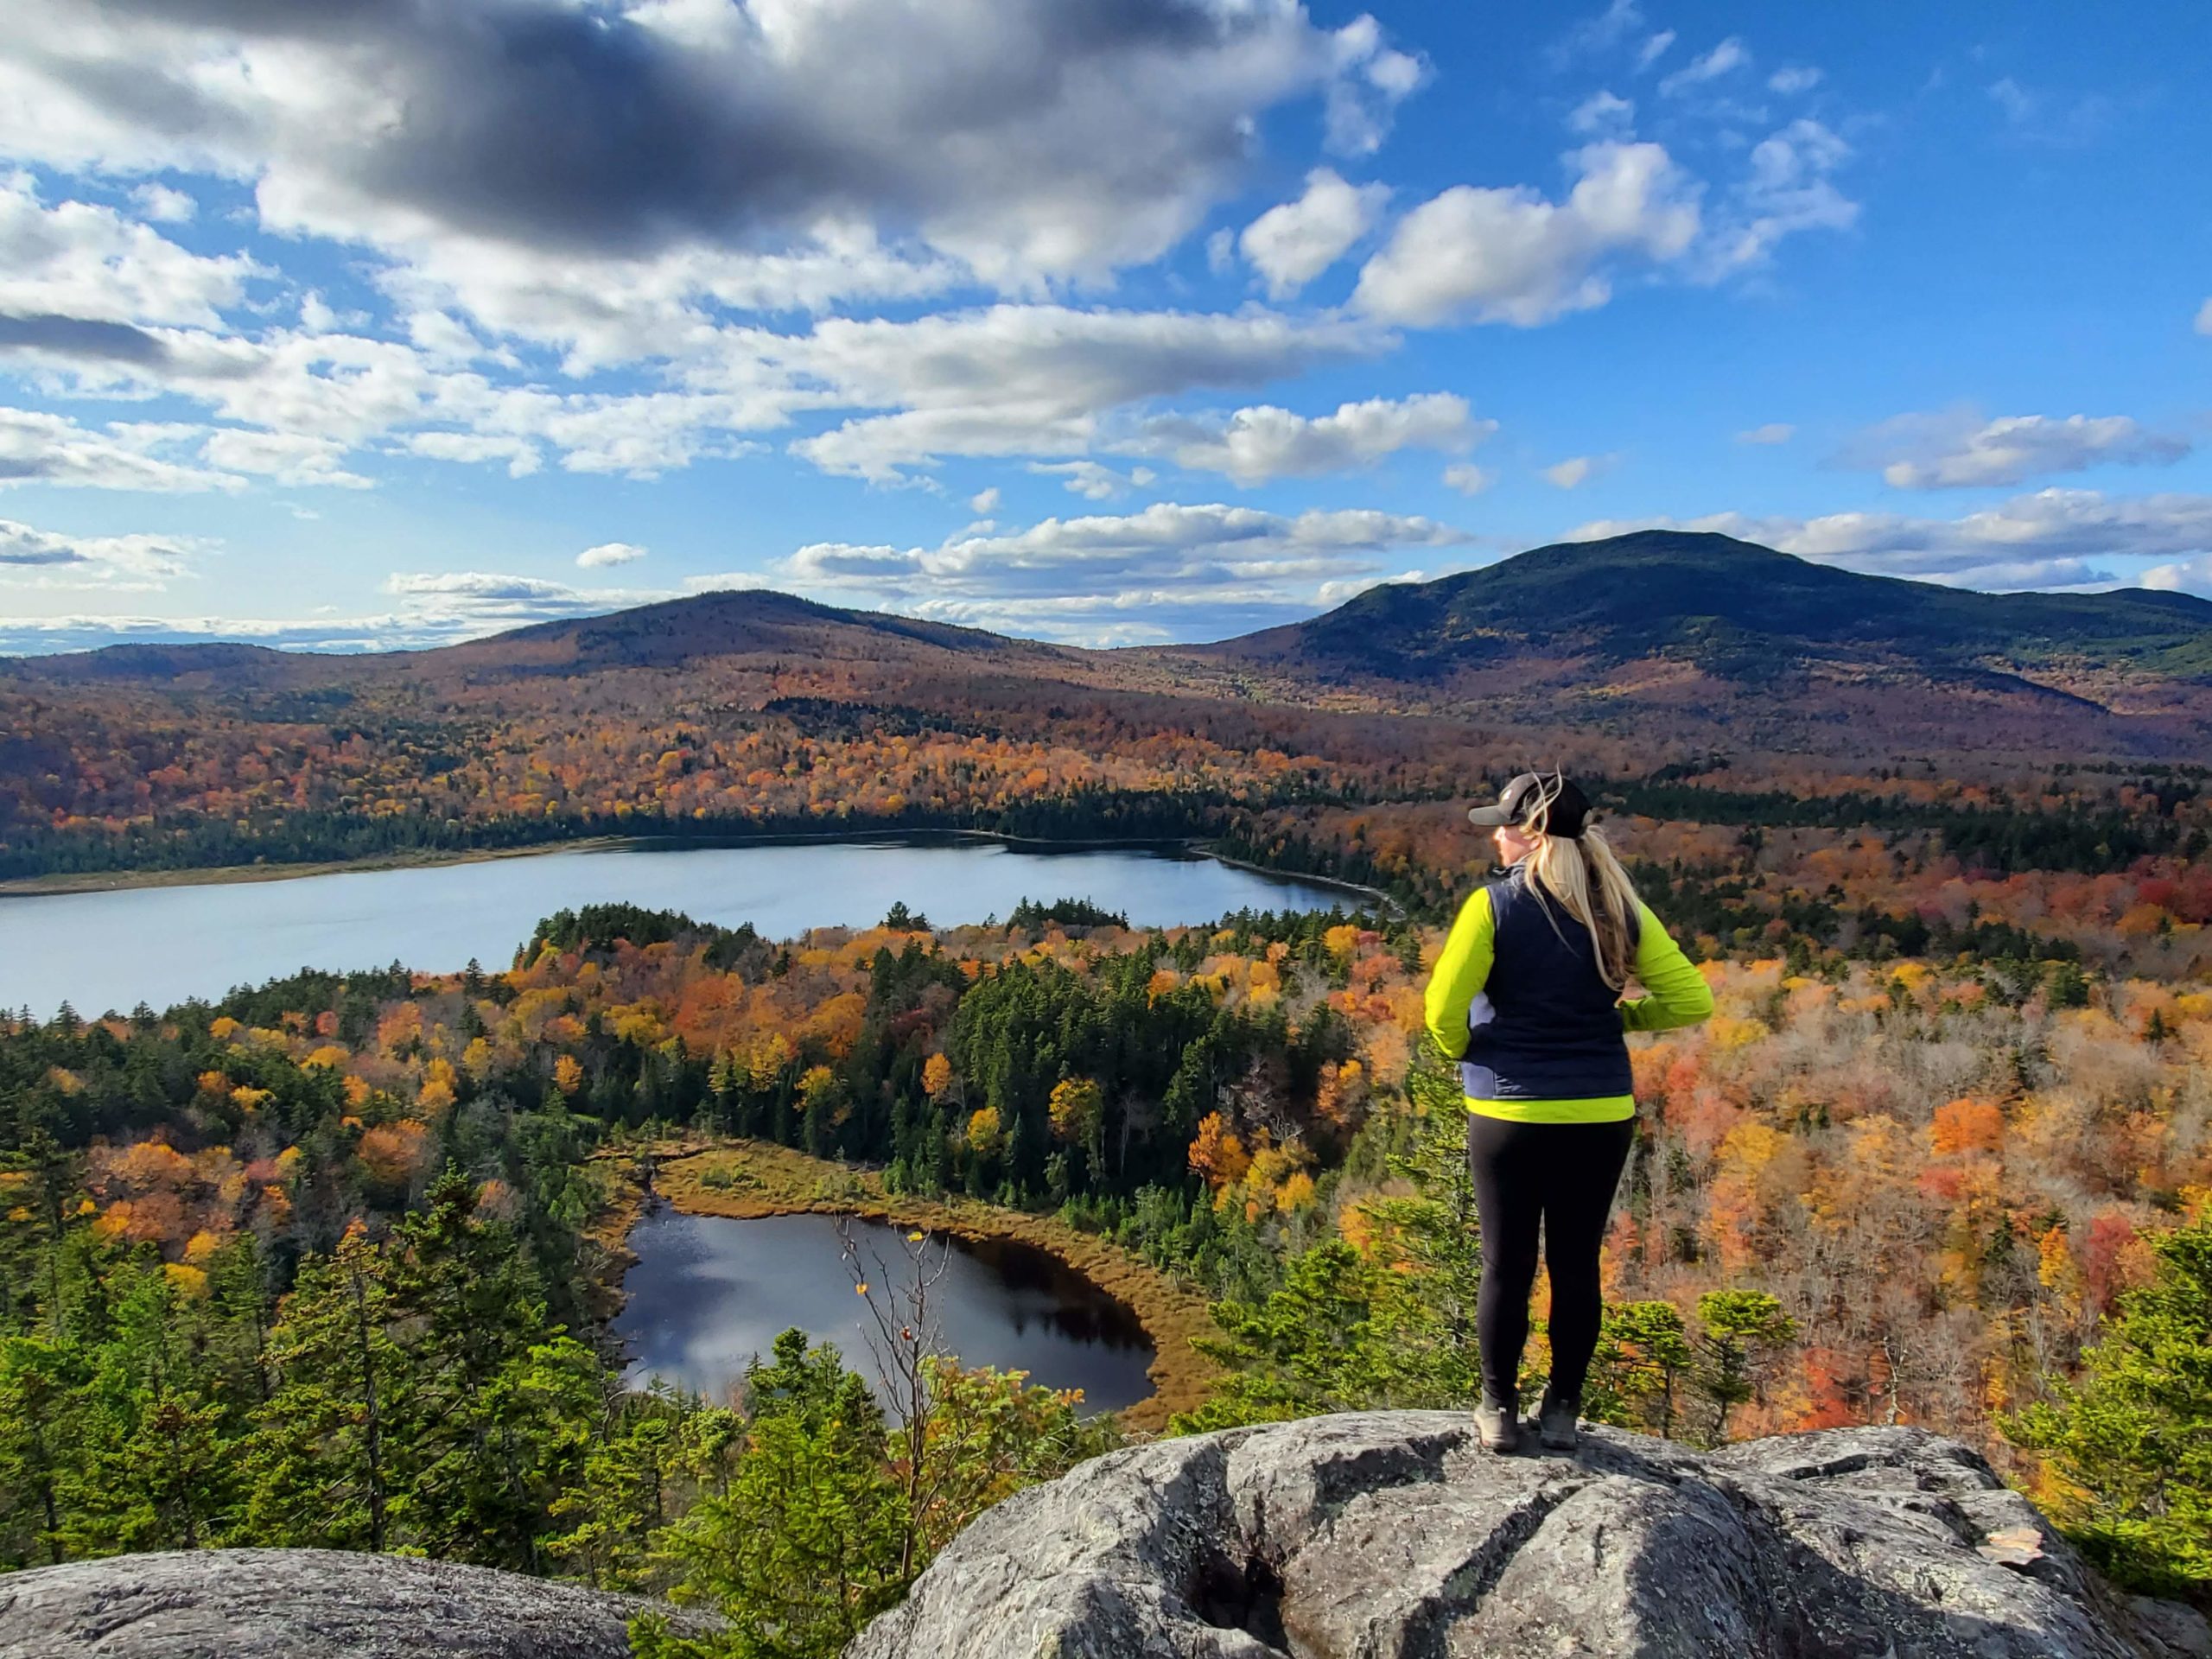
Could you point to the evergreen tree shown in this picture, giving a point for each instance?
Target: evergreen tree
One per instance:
(2129, 1449)
(496, 1393)
(1743, 1330)
(326, 1441)
(36, 1377)
(1425, 1316)
(805, 1545)
(1309, 1347)
(1644, 1354)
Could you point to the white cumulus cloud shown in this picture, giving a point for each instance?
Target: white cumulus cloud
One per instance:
(1509, 256)
(1168, 571)
(1036, 380)
(39, 448)
(2184, 576)
(1787, 190)
(1026, 139)
(1292, 244)
(1255, 445)
(1576, 470)
(1092, 480)
(1602, 115)
(53, 559)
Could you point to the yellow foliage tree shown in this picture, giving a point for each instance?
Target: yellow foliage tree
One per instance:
(1217, 1154)
(1074, 1107)
(937, 1077)
(986, 1137)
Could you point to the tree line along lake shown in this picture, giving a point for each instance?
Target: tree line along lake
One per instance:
(163, 945)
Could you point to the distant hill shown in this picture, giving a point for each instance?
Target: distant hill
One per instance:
(738, 622)
(216, 662)
(748, 622)
(1670, 621)
(1734, 609)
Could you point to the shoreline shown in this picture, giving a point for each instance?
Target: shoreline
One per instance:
(31, 886)
(783, 1181)
(223, 875)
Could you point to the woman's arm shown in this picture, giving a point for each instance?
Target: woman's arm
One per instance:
(1461, 973)
(1679, 994)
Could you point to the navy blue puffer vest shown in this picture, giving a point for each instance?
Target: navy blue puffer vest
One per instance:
(1547, 1027)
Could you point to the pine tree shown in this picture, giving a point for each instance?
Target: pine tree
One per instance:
(1743, 1329)
(1309, 1347)
(805, 1547)
(2129, 1448)
(324, 1446)
(1643, 1353)
(153, 1441)
(495, 1390)
(1425, 1318)
(36, 1378)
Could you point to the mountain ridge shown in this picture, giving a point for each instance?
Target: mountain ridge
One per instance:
(1724, 604)
(1733, 607)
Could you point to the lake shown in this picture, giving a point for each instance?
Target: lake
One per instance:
(709, 1292)
(162, 945)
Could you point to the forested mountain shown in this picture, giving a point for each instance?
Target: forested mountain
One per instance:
(1733, 607)
(1654, 664)
(748, 622)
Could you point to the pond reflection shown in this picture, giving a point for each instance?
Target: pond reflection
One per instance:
(710, 1292)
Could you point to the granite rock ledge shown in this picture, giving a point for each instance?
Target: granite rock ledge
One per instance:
(304, 1604)
(1393, 1533)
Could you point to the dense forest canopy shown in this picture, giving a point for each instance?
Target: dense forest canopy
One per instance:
(1866, 703)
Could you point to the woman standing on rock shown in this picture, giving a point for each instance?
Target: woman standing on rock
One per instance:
(1528, 995)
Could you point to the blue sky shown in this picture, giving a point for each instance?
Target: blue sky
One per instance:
(397, 322)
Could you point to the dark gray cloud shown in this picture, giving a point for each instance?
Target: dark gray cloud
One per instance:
(47, 334)
(22, 545)
(588, 128)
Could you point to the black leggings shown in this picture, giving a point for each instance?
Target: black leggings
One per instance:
(1562, 1175)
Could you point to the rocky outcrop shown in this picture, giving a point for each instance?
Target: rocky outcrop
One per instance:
(1393, 1533)
(302, 1603)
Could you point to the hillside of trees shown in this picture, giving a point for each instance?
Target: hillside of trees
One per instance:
(1920, 1164)
(730, 715)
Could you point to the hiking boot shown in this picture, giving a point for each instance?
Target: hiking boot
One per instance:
(1499, 1426)
(1555, 1421)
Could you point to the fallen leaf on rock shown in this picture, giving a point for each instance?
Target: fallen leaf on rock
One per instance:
(2013, 1547)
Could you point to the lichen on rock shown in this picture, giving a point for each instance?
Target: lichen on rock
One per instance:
(1392, 1532)
(304, 1604)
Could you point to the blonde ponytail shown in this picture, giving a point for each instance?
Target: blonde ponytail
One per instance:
(1584, 878)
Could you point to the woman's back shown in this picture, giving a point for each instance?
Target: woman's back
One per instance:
(1553, 1030)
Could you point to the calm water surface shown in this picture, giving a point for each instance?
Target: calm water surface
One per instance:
(707, 1293)
(102, 950)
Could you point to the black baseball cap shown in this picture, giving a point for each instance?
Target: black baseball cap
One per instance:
(1522, 800)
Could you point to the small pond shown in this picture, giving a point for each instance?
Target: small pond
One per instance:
(709, 1292)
